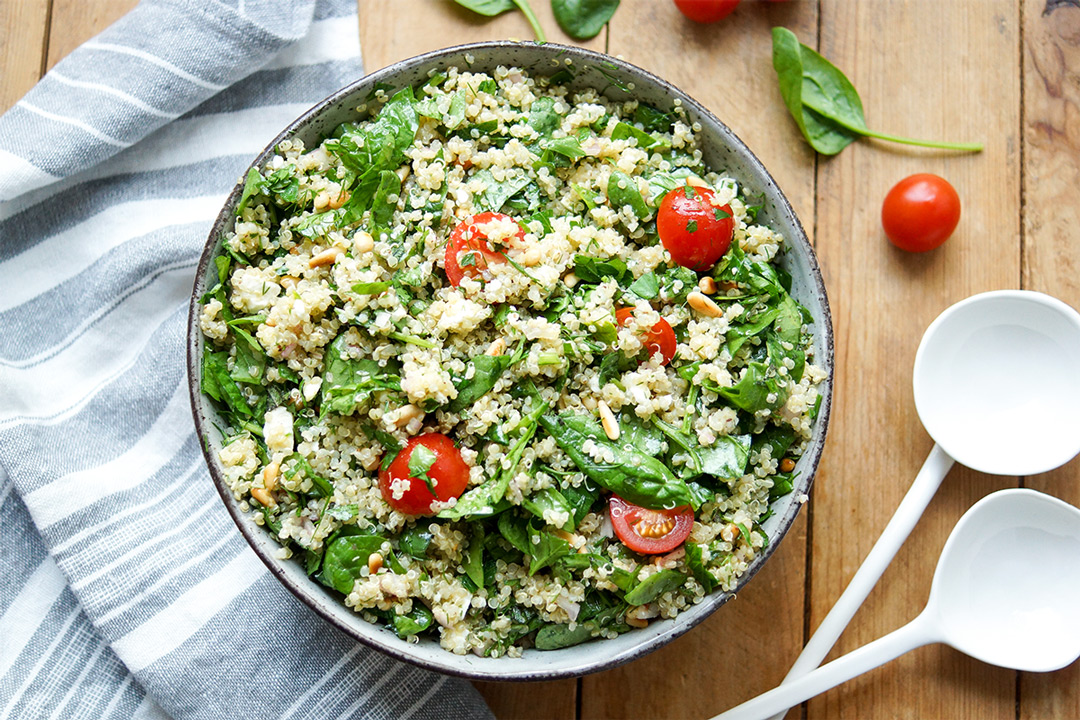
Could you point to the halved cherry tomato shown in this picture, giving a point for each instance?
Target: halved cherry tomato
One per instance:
(706, 11)
(449, 475)
(467, 236)
(920, 212)
(695, 232)
(650, 532)
(659, 339)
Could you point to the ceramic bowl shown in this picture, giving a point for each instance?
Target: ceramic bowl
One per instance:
(723, 151)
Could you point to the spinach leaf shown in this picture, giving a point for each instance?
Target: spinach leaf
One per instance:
(474, 556)
(583, 19)
(697, 567)
(456, 114)
(646, 287)
(250, 360)
(633, 475)
(382, 144)
(677, 282)
(779, 351)
(491, 8)
(319, 484)
(824, 103)
(497, 193)
(661, 183)
(372, 288)
(595, 270)
(549, 500)
(783, 483)
(515, 530)
(645, 437)
(652, 119)
(382, 210)
(754, 389)
(344, 558)
(778, 438)
(613, 365)
(413, 622)
(726, 458)
(420, 461)
(487, 369)
(416, 540)
(219, 384)
(622, 190)
(625, 131)
(555, 637)
(545, 548)
(699, 495)
(348, 383)
(568, 147)
(542, 116)
(654, 586)
(581, 499)
(254, 185)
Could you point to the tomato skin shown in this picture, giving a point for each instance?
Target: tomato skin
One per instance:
(659, 339)
(449, 471)
(466, 236)
(920, 212)
(627, 519)
(706, 11)
(692, 229)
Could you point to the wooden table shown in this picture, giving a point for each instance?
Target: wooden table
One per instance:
(1004, 72)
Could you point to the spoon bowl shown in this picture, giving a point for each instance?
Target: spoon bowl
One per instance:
(1007, 586)
(996, 385)
(1005, 591)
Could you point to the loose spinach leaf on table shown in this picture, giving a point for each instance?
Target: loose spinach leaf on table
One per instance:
(632, 474)
(824, 103)
(491, 8)
(583, 19)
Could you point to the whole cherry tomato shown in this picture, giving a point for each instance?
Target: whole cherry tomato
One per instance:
(659, 339)
(650, 532)
(920, 212)
(696, 232)
(448, 473)
(706, 11)
(469, 244)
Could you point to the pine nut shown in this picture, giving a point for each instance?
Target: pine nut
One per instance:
(406, 414)
(326, 257)
(341, 199)
(607, 419)
(374, 562)
(695, 181)
(403, 172)
(288, 282)
(787, 465)
(531, 257)
(270, 476)
(707, 285)
(321, 201)
(570, 279)
(263, 496)
(634, 622)
(363, 243)
(496, 348)
(704, 305)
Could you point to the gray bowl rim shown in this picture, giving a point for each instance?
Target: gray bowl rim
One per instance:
(804, 483)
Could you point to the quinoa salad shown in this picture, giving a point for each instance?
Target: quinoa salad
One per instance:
(505, 365)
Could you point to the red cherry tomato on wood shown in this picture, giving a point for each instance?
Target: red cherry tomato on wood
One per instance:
(920, 212)
(650, 532)
(706, 11)
(410, 495)
(695, 232)
(468, 237)
(659, 339)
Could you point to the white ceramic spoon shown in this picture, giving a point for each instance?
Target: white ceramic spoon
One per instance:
(996, 386)
(1005, 591)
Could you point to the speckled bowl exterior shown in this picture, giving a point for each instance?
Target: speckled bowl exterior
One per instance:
(724, 152)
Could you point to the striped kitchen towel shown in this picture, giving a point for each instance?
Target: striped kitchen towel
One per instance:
(128, 591)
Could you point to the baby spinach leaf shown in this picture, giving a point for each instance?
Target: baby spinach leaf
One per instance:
(595, 270)
(496, 193)
(382, 210)
(254, 185)
(558, 636)
(415, 540)
(824, 103)
(726, 458)
(677, 282)
(583, 19)
(474, 556)
(633, 475)
(514, 529)
(697, 567)
(652, 119)
(778, 438)
(625, 131)
(413, 622)
(646, 287)
(622, 190)
(754, 389)
(250, 361)
(545, 548)
(779, 351)
(645, 437)
(456, 114)
(420, 461)
(316, 225)
(491, 8)
(581, 499)
(542, 116)
(487, 371)
(661, 183)
(371, 288)
(613, 365)
(348, 383)
(654, 586)
(549, 500)
(345, 556)
(699, 495)
(320, 485)
(783, 483)
(568, 147)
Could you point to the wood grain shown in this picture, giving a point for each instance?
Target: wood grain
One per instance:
(76, 21)
(956, 78)
(746, 647)
(22, 46)
(1051, 67)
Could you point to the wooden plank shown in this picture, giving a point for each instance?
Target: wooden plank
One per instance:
(1051, 66)
(385, 38)
(76, 21)
(953, 78)
(746, 647)
(23, 26)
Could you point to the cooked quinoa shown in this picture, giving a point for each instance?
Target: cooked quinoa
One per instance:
(335, 335)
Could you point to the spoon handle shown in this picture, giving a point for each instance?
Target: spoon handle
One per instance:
(916, 633)
(903, 521)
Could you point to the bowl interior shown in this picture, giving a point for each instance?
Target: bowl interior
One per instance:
(723, 152)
